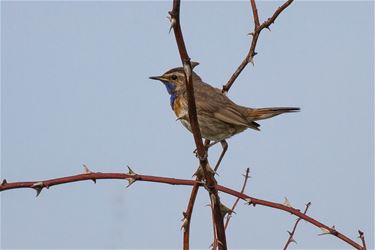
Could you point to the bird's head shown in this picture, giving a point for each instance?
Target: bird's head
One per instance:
(174, 79)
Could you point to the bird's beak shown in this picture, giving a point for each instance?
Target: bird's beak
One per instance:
(159, 78)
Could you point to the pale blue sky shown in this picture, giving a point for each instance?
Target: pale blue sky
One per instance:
(75, 89)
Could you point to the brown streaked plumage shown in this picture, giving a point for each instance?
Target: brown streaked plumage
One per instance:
(219, 118)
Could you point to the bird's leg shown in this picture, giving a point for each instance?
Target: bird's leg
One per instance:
(224, 144)
(207, 144)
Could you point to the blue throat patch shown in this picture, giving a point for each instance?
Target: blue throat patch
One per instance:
(172, 98)
(170, 88)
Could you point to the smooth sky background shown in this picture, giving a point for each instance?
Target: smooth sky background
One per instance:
(75, 89)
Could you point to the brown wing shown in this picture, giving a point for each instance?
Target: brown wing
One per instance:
(211, 100)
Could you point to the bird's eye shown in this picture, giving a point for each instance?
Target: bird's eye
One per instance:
(174, 77)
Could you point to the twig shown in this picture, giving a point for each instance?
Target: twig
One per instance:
(189, 210)
(254, 201)
(188, 213)
(173, 181)
(291, 234)
(214, 243)
(201, 150)
(255, 34)
(362, 237)
(238, 199)
(255, 13)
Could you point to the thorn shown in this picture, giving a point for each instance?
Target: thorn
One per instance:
(130, 180)
(246, 176)
(130, 171)
(184, 224)
(293, 240)
(38, 186)
(268, 27)
(199, 173)
(195, 151)
(333, 230)
(324, 231)
(187, 70)
(361, 235)
(286, 202)
(290, 233)
(249, 202)
(86, 169)
(4, 182)
(250, 34)
(225, 210)
(173, 23)
(194, 64)
(251, 60)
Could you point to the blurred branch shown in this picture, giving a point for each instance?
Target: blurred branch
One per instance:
(201, 150)
(291, 234)
(255, 34)
(132, 177)
(246, 175)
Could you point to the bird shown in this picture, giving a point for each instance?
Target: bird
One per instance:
(219, 118)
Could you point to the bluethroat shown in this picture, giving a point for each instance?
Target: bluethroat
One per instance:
(219, 118)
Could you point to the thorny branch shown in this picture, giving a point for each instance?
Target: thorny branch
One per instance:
(255, 34)
(211, 184)
(291, 234)
(132, 177)
(192, 112)
(238, 199)
(202, 153)
(187, 215)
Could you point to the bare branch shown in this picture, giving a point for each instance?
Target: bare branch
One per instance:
(175, 24)
(291, 234)
(255, 34)
(238, 199)
(172, 181)
(255, 13)
(192, 112)
(254, 201)
(97, 176)
(188, 213)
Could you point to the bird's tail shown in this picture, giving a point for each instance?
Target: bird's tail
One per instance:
(265, 113)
